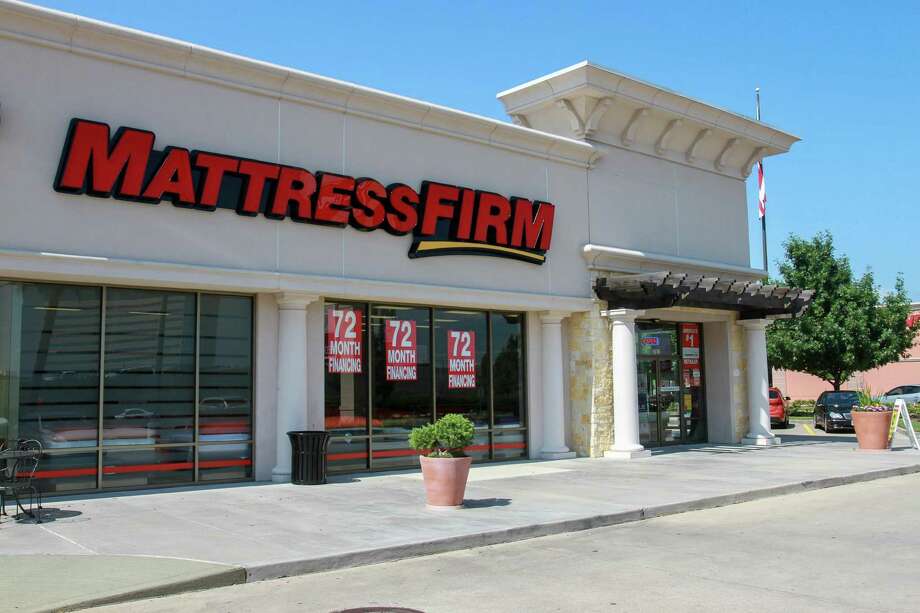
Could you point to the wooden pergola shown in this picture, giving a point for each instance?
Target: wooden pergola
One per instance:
(659, 290)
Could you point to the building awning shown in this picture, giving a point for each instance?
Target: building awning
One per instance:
(660, 290)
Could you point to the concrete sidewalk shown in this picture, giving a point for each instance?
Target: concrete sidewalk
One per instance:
(279, 530)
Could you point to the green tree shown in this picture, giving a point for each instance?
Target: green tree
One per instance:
(848, 326)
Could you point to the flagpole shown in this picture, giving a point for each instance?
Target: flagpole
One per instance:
(763, 220)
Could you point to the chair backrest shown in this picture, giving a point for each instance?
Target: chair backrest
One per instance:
(24, 468)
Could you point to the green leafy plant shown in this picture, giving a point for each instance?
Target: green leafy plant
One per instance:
(802, 408)
(445, 438)
(869, 402)
(850, 325)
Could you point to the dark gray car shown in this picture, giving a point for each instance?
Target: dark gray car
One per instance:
(832, 410)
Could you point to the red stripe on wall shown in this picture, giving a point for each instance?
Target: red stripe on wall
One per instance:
(64, 472)
(395, 453)
(139, 468)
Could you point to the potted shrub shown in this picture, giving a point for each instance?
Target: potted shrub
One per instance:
(872, 422)
(445, 467)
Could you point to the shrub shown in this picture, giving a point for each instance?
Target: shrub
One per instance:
(445, 438)
(423, 438)
(802, 408)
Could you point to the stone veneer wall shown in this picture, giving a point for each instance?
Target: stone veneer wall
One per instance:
(590, 382)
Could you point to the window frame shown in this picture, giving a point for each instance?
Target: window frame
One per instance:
(368, 437)
(100, 448)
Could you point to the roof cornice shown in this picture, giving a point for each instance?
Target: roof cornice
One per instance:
(734, 142)
(89, 37)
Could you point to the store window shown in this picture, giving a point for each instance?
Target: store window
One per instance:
(421, 363)
(127, 387)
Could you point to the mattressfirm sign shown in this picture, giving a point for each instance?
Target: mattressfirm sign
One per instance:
(444, 219)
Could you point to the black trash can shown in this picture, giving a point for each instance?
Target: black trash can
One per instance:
(308, 456)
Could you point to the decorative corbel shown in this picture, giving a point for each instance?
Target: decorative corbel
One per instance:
(662, 144)
(695, 145)
(597, 113)
(756, 156)
(723, 156)
(628, 137)
(520, 120)
(578, 126)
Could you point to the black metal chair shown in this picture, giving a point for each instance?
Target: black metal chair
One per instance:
(16, 479)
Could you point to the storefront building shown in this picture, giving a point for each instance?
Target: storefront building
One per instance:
(200, 252)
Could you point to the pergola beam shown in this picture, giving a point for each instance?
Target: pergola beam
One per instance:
(664, 289)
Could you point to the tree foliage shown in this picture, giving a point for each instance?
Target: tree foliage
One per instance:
(848, 327)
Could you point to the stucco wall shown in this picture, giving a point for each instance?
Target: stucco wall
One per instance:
(629, 189)
(45, 88)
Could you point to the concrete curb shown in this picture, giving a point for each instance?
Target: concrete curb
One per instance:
(229, 576)
(277, 570)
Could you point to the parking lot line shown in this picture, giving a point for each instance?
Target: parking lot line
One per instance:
(809, 429)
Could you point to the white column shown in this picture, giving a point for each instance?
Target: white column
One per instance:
(626, 444)
(554, 447)
(758, 386)
(291, 412)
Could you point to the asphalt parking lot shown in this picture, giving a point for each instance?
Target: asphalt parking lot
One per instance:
(804, 427)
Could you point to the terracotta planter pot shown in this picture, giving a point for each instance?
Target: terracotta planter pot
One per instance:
(445, 480)
(872, 429)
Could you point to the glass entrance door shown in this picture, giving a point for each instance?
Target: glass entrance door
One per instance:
(660, 419)
(670, 385)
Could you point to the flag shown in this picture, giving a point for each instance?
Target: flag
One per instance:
(761, 193)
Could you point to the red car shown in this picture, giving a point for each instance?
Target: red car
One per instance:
(779, 413)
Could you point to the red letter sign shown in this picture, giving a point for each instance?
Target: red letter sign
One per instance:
(461, 359)
(343, 340)
(402, 350)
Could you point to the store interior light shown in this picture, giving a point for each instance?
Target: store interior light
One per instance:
(150, 313)
(47, 308)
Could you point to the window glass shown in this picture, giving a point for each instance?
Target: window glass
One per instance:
(509, 444)
(401, 342)
(508, 369)
(57, 328)
(69, 471)
(461, 342)
(656, 340)
(774, 394)
(147, 467)
(230, 462)
(346, 368)
(149, 368)
(225, 369)
(895, 392)
(911, 389)
(347, 454)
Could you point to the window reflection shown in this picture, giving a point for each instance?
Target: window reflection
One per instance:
(346, 393)
(149, 367)
(460, 335)
(402, 394)
(57, 398)
(225, 371)
(508, 369)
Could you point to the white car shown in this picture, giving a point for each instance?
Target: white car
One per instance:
(908, 393)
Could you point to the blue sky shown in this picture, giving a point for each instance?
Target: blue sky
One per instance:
(840, 75)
